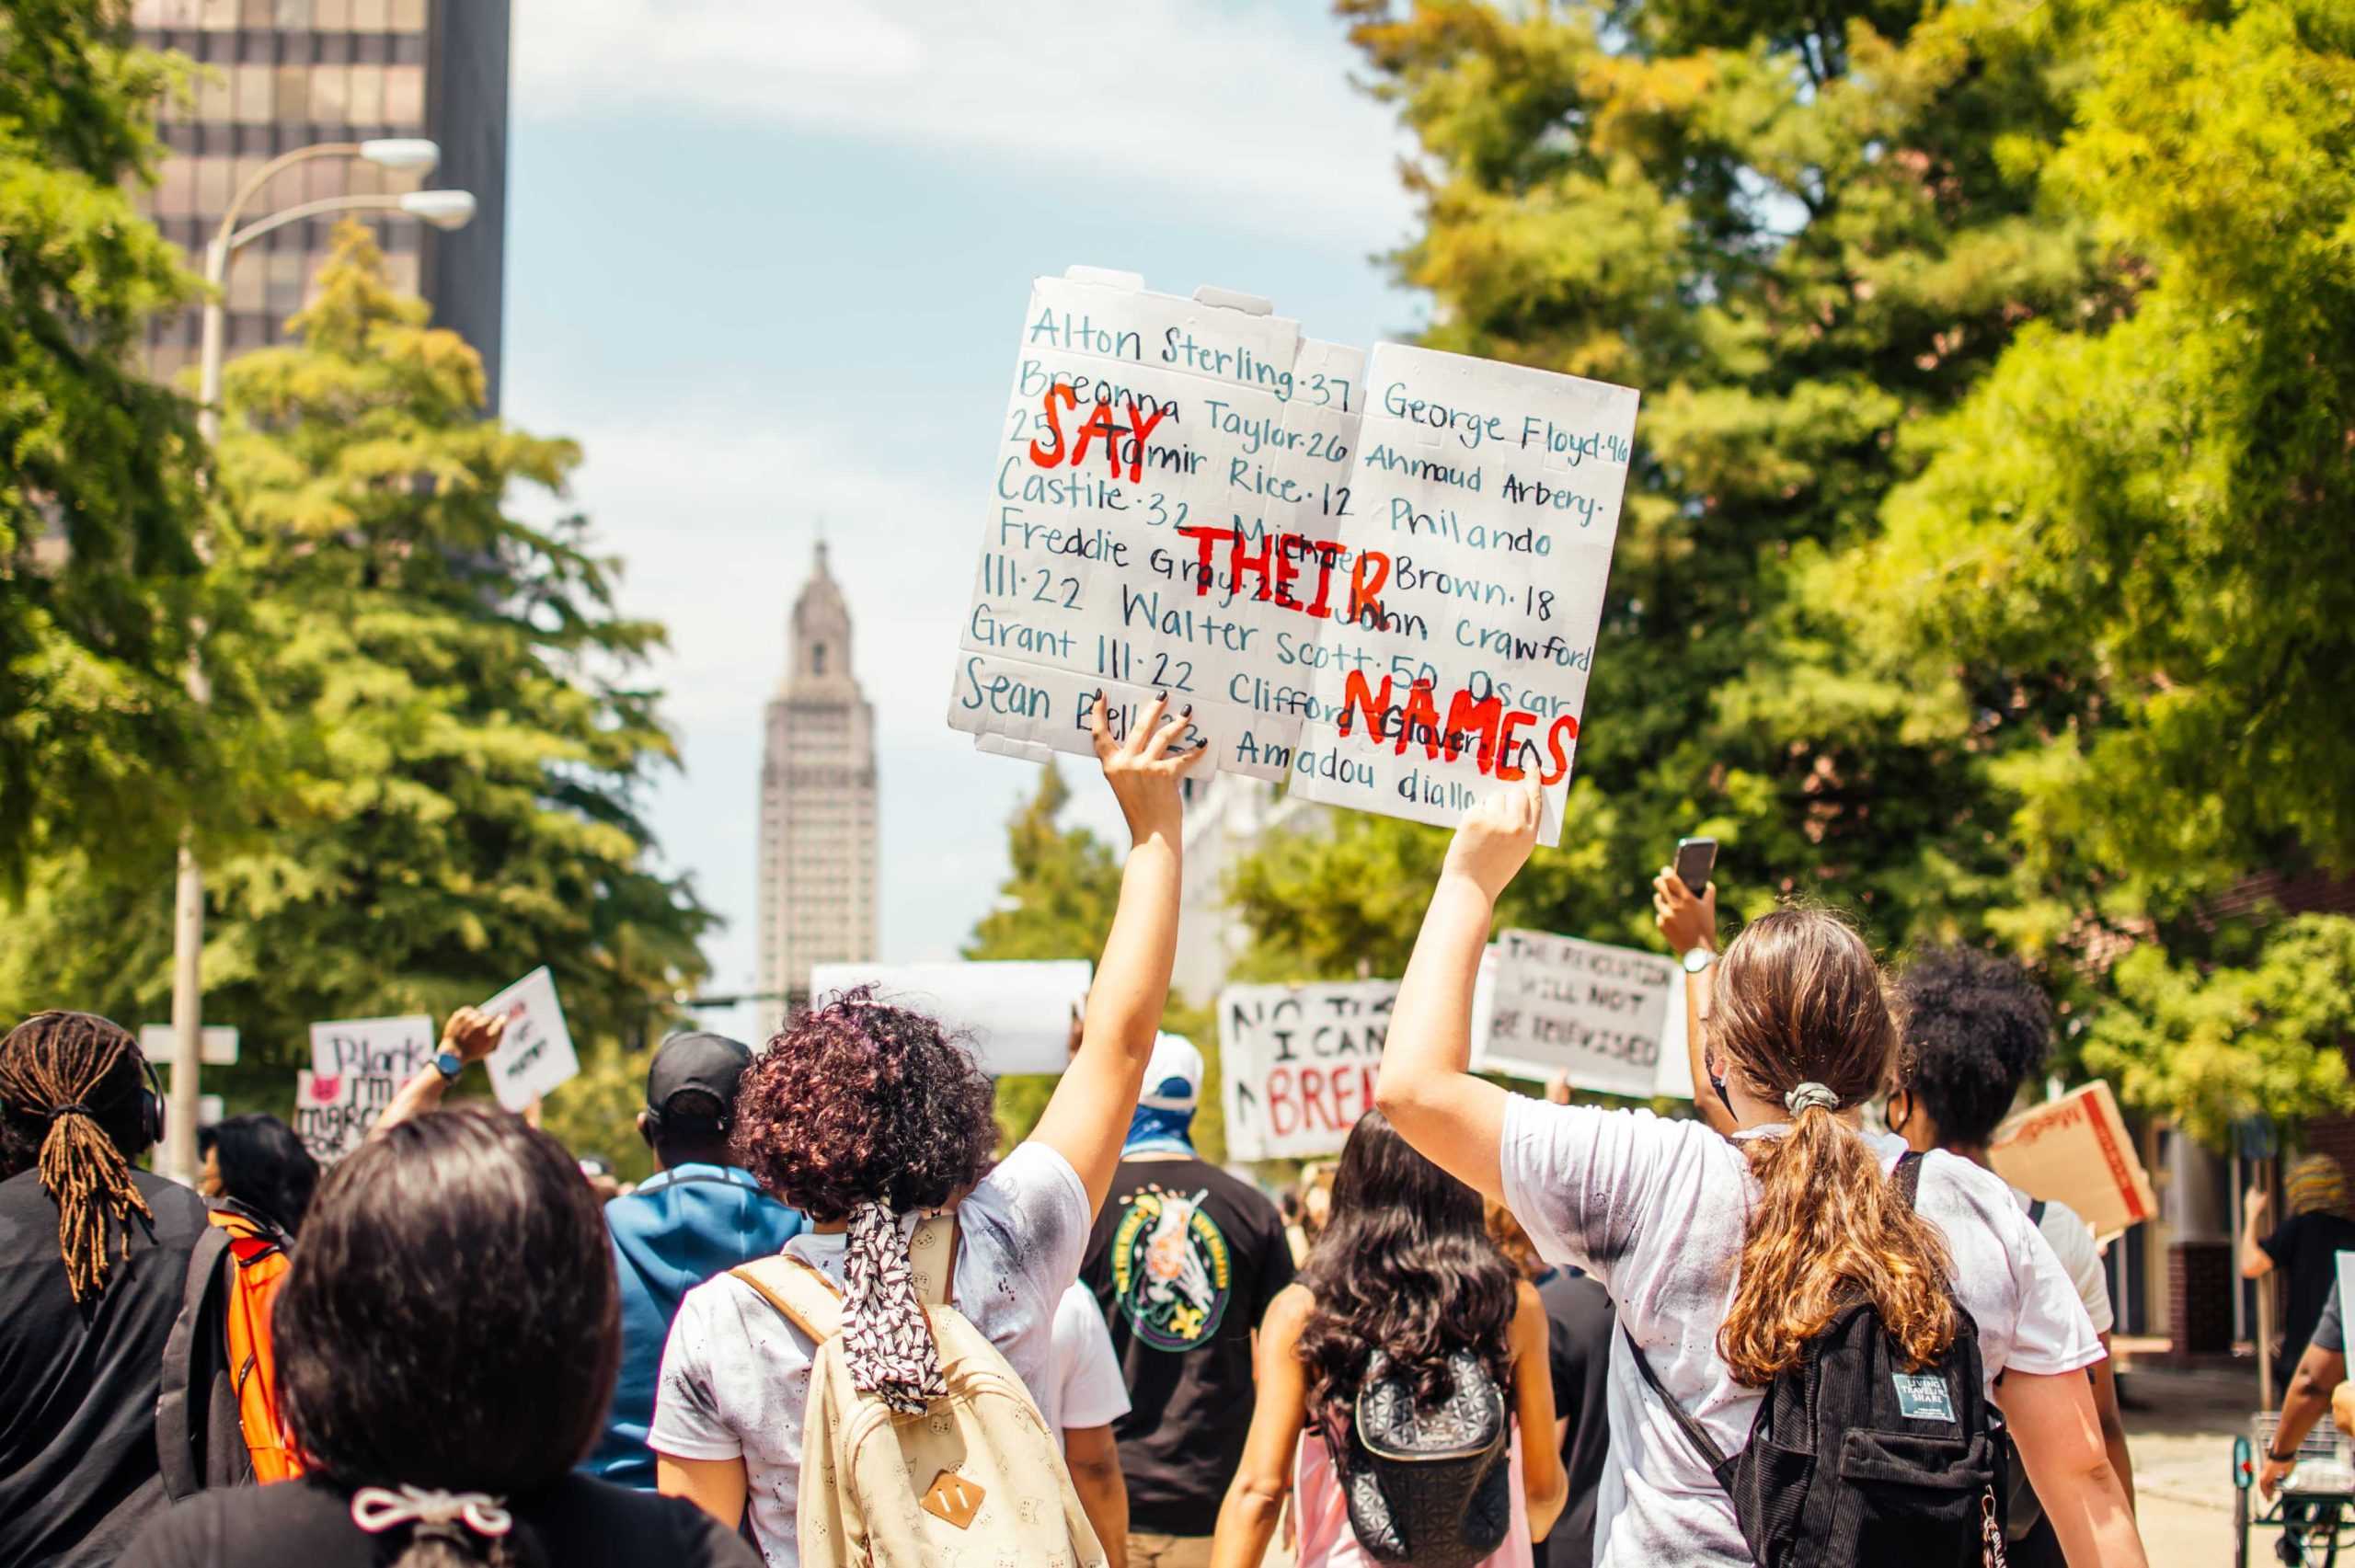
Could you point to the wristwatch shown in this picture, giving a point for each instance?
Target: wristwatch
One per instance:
(1697, 959)
(449, 1064)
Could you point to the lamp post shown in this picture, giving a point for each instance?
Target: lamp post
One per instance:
(443, 209)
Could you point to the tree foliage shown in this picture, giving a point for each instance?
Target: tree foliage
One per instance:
(100, 748)
(448, 706)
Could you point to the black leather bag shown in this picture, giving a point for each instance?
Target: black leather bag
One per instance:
(1428, 1487)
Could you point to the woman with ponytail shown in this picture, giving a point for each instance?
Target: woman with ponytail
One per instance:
(446, 1341)
(1725, 1257)
(94, 1255)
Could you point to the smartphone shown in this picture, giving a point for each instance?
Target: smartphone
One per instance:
(1694, 859)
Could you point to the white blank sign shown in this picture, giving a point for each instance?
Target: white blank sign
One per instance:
(1016, 1013)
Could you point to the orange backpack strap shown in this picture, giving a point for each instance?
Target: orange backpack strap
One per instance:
(803, 1296)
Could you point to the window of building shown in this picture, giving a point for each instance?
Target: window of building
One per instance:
(405, 95)
(818, 658)
(367, 95)
(330, 98)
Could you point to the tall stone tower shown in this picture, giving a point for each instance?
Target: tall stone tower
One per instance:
(817, 805)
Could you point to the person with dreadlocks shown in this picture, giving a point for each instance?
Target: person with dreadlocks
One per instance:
(93, 1262)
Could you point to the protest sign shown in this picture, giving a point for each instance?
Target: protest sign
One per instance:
(2076, 1150)
(1380, 583)
(535, 1055)
(216, 1044)
(1297, 1064)
(1609, 1018)
(1016, 1013)
(398, 1049)
(333, 1114)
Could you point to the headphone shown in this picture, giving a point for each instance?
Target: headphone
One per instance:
(151, 1104)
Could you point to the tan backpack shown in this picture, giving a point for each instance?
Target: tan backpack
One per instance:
(977, 1480)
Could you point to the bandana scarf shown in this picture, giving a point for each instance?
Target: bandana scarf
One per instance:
(1153, 1130)
(885, 1333)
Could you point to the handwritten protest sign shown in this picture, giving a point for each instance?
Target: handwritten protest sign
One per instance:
(1610, 1018)
(1016, 1013)
(397, 1049)
(333, 1113)
(1297, 1064)
(2076, 1150)
(535, 1055)
(1380, 582)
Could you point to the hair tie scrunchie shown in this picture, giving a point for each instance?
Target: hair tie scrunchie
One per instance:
(378, 1509)
(1808, 1096)
(886, 1335)
(72, 1108)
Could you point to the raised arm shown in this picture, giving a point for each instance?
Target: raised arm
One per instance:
(1088, 1116)
(1452, 1119)
(2255, 1262)
(1687, 923)
(471, 1037)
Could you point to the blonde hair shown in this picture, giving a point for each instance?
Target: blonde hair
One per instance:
(1798, 999)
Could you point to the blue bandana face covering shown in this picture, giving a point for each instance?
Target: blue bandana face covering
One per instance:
(1152, 1130)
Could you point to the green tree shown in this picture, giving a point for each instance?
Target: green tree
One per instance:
(450, 708)
(1797, 233)
(99, 748)
(1062, 887)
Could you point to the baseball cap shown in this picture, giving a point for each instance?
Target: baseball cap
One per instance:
(701, 1063)
(1173, 1074)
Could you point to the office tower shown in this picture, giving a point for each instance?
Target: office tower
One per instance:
(277, 75)
(817, 870)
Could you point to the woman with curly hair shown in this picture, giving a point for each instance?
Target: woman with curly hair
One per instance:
(1404, 1283)
(1726, 1258)
(866, 1118)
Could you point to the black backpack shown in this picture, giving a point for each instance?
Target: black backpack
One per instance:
(1428, 1487)
(1853, 1459)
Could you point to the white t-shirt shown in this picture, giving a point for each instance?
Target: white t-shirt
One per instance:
(1089, 1388)
(736, 1375)
(1655, 1211)
(2072, 1240)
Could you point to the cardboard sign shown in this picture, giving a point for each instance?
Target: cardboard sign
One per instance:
(2076, 1150)
(1609, 1018)
(1380, 582)
(1016, 1013)
(535, 1055)
(398, 1049)
(1298, 1064)
(332, 1114)
(216, 1044)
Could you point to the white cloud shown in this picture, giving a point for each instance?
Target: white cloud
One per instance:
(1248, 112)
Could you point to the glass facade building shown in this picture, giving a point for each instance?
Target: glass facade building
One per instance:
(277, 75)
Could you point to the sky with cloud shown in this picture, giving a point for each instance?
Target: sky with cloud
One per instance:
(767, 262)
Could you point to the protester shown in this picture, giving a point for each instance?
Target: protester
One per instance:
(864, 1115)
(1404, 1272)
(259, 1179)
(1973, 1028)
(1184, 1261)
(447, 1340)
(2304, 1247)
(255, 1165)
(1579, 1321)
(699, 1215)
(94, 1262)
(1726, 1258)
(1089, 1397)
(2318, 1384)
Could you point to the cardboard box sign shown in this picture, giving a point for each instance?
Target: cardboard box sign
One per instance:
(1298, 1063)
(1376, 576)
(1014, 1012)
(2076, 1150)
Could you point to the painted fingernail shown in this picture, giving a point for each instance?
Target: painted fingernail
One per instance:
(1188, 712)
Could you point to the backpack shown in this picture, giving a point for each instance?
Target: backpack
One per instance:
(1428, 1487)
(1853, 1459)
(198, 1442)
(257, 1251)
(977, 1479)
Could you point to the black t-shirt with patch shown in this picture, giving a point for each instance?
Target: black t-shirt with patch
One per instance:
(1184, 1261)
(2305, 1249)
(78, 1470)
(1579, 1320)
(577, 1522)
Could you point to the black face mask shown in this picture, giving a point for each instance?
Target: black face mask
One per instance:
(1897, 1124)
(1723, 1098)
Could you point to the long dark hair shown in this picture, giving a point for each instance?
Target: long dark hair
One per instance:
(69, 1105)
(1404, 1266)
(450, 1319)
(264, 1167)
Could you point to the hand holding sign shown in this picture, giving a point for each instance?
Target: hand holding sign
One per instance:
(473, 1034)
(1494, 840)
(1144, 767)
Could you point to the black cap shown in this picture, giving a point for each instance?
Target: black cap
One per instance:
(701, 1063)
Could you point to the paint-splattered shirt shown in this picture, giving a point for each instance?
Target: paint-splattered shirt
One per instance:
(736, 1375)
(1655, 1211)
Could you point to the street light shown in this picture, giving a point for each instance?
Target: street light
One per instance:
(443, 209)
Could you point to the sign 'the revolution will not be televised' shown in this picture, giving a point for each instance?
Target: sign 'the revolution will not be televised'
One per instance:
(1377, 576)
